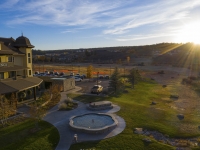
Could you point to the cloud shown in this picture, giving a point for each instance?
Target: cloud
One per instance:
(113, 17)
(64, 12)
(144, 36)
(8, 4)
(158, 13)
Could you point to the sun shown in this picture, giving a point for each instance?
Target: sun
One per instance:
(189, 33)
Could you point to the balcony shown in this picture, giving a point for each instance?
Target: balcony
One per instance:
(6, 64)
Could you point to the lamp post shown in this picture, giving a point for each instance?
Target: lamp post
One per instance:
(97, 77)
(79, 69)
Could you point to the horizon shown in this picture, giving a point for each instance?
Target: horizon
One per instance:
(72, 24)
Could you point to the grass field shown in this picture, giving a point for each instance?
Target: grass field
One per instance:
(23, 136)
(137, 112)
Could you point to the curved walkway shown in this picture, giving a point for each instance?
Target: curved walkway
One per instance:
(60, 119)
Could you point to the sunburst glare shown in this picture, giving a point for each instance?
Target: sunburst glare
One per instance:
(189, 33)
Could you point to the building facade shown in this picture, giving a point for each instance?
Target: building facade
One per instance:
(16, 66)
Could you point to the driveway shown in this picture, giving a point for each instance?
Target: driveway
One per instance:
(60, 119)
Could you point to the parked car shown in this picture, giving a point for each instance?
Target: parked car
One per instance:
(77, 79)
(83, 76)
(97, 89)
(62, 74)
(56, 73)
(77, 76)
(46, 72)
(51, 73)
(37, 72)
(107, 77)
(101, 76)
(71, 74)
(42, 74)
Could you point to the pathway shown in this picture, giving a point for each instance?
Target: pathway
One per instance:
(60, 119)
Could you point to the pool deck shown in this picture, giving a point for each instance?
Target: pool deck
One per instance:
(60, 119)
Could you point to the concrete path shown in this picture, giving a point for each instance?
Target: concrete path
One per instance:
(60, 119)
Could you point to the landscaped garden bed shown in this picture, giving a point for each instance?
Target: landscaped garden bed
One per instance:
(67, 104)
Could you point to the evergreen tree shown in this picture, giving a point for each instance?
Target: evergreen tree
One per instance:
(134, 77)
(115, 80)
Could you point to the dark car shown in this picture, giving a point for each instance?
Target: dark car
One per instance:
(62, 74)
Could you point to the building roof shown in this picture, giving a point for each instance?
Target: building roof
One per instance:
(12, 68)
(6, 89)
(7, 41)
(10, 86)
(23, 41)
(9, 46)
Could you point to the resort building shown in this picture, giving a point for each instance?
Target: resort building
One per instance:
(16, 74)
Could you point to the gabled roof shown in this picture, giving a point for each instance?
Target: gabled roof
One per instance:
(7, 41)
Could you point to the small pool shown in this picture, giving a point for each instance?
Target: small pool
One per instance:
(93, 122)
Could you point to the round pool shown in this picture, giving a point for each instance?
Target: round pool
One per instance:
(93, 122)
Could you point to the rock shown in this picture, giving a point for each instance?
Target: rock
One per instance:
(147, 133)
(180, 116)
(138, 131)
(153, 103)
(164, 86)
(146, 140)
(174, 96)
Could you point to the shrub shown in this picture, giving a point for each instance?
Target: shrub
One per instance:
(68, 100)
(192, 78)
(62, 106)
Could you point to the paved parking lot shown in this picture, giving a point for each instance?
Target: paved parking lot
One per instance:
(87, 84)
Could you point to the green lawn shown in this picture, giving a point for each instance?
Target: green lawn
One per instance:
(137, 112)
(22, 136)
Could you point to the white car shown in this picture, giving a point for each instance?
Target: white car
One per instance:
(78, 79)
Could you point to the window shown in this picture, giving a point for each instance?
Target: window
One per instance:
(29, 57)
(0, 59)
(29, 72)
(13, 59)
(10, 59)
(1, 75)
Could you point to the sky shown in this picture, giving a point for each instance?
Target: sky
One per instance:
(72, 24)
